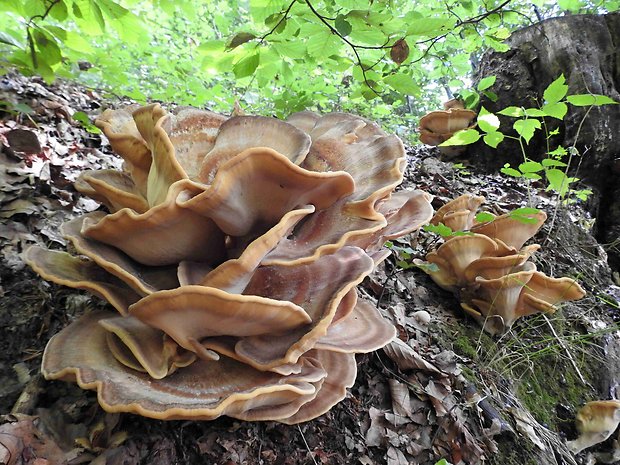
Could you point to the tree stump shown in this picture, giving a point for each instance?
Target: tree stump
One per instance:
(584, 48)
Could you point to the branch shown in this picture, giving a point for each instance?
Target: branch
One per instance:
(459, 23)
(30, 24)
(42, 17)
(283, 18)
(353, 46)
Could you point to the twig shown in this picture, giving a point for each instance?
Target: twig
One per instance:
(283, 18)
(570, 356)
(307, 446)
(353, 46)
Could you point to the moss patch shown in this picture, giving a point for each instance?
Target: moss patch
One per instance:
(533, 361)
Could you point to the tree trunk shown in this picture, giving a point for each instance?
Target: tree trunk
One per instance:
(585, 49)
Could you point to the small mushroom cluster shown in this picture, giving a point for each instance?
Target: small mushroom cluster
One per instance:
(231, 251)
(488, 267)
(438, 126)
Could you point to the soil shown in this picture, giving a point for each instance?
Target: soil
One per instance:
(470, 398)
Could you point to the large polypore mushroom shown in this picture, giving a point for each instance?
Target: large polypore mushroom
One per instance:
(231, 252)
(488, 267)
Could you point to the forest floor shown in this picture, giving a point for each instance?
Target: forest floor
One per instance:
(451, 393)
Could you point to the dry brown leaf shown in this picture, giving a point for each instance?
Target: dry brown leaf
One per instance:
(401, 405)
(406, 358)
(22, 443)
(399, 51)
(396, 457)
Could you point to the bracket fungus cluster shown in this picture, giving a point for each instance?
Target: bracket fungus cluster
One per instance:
(231, 251)
(488, 268)
(438, 126)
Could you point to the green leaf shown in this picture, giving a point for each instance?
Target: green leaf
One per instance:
(322, 45)
(530, 167)
(534, 112)
(86, 123)
(558, 181)
(555, 110)
(487, 121)
(470, 98)
(464, 137)
(526, 128)
(343, 27)
(239, 39)
(9, 40)
(485, 83)
(556, 90)
(49, 52)
(549, 162)
(429, 26)
(59, 11)
(515, 112)
(585, 100)
(559, 152)
(402, 83)
(570, 5)
(291, 48)
(525, 215)
(246, 66)
(507, 170)
(484, 217)
(492, 96)
(493, 139)
(441, 229)
(368, 36)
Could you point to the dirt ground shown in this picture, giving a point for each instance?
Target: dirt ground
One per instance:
(456, 394)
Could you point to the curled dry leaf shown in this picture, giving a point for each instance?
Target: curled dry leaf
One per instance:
(231, 252)
(399, 51)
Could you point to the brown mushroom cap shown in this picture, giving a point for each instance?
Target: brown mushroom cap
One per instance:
(595, 421)
(114, 189)
(318, 287)
(164, 235)
(502, 294)
(341, 372)
(144, 348)
(461, 251)
(241, 133)
(143, 279)
(120, 129)
(259, 186)
(511, 231)
(496, 267)
(67, 270)
(364, 330)
(165, 169)
(459, 212)
(232, 251)
(202, 390)
(447, 121)
(554, 290)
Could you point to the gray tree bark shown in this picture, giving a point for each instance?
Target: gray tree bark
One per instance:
(586, 49)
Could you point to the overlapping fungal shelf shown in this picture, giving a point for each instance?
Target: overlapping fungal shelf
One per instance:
(230, 253)
(488, 269)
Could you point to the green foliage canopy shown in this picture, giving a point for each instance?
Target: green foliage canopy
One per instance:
(381, 58)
